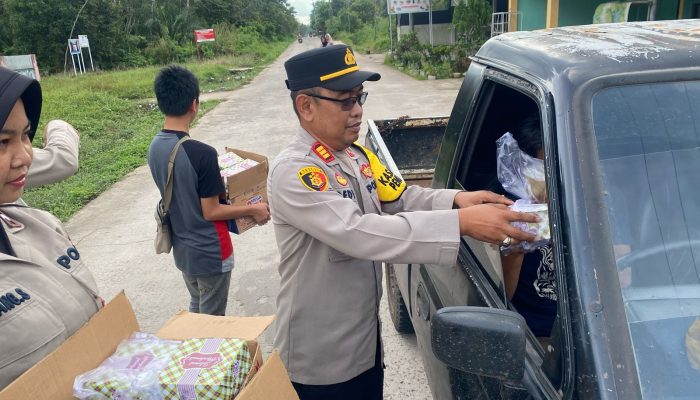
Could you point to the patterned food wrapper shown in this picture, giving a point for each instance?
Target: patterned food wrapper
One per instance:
(207, 369)
(132, 372)
(229, 159)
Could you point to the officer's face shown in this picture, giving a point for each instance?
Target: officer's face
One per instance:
(331, 124)
(15, 154)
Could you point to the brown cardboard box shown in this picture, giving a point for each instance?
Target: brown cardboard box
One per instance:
(248, 187)
(52, 377)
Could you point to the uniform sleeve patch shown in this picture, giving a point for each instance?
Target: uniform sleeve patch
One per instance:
(313, 178)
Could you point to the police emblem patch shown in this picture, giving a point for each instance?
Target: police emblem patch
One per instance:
(313, 178)
(322, 152)
(366, 170)
(341, 179)
(349, 57)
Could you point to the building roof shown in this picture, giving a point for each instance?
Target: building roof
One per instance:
(584, 52)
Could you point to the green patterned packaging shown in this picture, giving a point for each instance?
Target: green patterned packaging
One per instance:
(207, 369)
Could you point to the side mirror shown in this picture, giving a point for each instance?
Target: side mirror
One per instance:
(480, 340)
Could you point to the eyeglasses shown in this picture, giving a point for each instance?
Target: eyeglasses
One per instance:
(345, 104)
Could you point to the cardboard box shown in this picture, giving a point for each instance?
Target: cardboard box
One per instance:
(247, 187)
(52, 377)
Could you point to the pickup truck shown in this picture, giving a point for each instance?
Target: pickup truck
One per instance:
(619, 111)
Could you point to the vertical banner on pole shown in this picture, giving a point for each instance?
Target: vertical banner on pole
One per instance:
(74, 49)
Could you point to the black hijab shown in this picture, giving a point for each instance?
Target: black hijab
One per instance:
(14, 86)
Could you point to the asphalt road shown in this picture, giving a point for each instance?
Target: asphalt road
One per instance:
(115, 231)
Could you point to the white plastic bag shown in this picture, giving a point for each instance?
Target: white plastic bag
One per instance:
(132, 372)
(523, 176)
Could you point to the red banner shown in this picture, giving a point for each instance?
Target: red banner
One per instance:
(204, 35)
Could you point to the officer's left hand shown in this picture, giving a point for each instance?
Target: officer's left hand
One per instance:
(468, 199)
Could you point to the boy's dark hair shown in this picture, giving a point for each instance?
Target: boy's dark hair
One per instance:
(175, 89)
(529, 135)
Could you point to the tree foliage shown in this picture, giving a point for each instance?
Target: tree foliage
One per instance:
(124, 33)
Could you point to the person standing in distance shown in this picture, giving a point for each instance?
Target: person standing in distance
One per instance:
(202, 246)
(336, 209)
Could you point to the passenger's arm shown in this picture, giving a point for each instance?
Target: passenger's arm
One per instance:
(512, 264)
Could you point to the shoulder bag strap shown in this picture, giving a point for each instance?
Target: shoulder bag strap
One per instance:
(169, 185)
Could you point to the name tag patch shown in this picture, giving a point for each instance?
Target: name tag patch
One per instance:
(347, 193)
(313, 178)
(10, 300)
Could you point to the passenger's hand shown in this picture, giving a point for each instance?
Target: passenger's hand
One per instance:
(468, 199)
(260, 213)
(491, 223)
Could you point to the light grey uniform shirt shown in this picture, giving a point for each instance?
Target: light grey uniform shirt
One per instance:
(332, 237)
(58, 159)
(46, 291)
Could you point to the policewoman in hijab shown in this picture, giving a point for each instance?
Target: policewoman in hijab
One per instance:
(46, 291)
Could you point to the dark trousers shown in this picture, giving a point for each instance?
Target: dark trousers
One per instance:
(369, 385)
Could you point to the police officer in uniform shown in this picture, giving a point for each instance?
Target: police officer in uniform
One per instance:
(46, 291)
(335, 209)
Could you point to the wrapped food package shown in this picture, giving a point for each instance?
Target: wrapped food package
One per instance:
(231, 163)
(132, 372)
(539, 229)
(207, 369)
(145, 367)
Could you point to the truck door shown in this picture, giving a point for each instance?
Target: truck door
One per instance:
(503, 103)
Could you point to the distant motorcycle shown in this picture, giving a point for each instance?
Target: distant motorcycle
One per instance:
(299, 39)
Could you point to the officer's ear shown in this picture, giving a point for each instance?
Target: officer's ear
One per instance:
(305, 107)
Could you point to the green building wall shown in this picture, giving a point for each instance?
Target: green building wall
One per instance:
(580, 12)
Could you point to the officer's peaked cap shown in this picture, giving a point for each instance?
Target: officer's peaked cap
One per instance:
(332, 67)
(14, 86)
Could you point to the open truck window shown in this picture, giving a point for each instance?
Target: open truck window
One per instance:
(504, 108)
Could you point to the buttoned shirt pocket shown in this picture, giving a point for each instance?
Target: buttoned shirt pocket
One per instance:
(27, 324)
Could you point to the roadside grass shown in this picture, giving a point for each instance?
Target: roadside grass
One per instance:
(117, 116)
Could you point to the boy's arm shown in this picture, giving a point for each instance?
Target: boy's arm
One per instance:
(212, 210)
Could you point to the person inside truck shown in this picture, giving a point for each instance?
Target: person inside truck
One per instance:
(529, 278)
(46, 291)
(335, 210)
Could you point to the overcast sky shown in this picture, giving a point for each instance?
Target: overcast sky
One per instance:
(303, 9)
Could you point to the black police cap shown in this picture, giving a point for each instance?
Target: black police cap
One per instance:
(333, 67)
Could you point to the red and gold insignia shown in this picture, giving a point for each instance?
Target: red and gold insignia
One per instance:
(341, 179)
(313, 178)
(322, 152)
(366, 170)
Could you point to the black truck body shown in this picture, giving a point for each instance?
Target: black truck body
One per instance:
(619, 109)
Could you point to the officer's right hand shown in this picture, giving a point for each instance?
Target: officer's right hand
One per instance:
(491, 223)
(260, 213)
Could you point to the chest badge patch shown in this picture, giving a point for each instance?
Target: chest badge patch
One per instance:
(313, 178)
(366, 170)
(322, 152)
(341, 179)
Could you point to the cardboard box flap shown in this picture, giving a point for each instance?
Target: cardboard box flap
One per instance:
(53, 376)
(271, 382)
(186, 325)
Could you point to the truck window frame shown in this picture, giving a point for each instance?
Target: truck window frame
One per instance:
(550, 385)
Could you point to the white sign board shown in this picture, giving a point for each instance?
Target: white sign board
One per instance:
(83, 41)
(407, 6)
